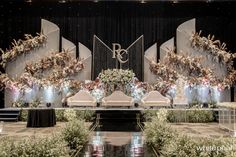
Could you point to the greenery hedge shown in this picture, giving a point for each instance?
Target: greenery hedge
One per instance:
(38, 147)
(168, 143)
(73, 136)
(188, 115)
(87, 115)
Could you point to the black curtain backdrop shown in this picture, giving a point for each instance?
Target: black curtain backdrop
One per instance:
(121, 22)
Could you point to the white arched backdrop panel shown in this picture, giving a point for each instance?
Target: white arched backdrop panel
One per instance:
(86, 55)
(68, 45)
(169, 44)
(16, 67)
(149, 56)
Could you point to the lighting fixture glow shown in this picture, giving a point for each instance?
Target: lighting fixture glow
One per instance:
(62, 1)
(48, 94)
(142, 1)
(28, 1)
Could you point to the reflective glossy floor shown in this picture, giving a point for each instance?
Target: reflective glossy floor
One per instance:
(115, 144)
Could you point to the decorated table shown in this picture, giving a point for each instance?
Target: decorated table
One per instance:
(44, 117)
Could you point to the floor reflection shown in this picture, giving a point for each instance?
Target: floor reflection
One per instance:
(115, 144)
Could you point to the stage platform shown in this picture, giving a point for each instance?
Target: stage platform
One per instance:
(115, 108)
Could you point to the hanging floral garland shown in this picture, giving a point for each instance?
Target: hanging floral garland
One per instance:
(196, 74)
(22, 47)
(58, 59)
(57, 78)
(214, 48)
(189, 65)
(219, 53)
(6, 82)
(73, 68)
(27, 81)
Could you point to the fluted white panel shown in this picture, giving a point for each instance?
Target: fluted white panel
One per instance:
(169, 44)
(68, 45)
(150, 55)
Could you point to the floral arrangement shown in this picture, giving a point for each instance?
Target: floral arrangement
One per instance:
(6, 82)
(116, 76)
(163, 72)
(189, 65)
(89, 86)
(58, 59)
(162, 86)
(213, 47)
(73, 68)
(22, 47)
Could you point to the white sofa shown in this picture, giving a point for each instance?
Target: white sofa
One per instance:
(117, 99)
(154, 98)
(82, 98)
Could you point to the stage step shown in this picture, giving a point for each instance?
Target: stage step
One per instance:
(9, 114)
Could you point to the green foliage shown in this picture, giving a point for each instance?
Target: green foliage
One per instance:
(19, 103)
(87, 115)
(38, 147)
(158, 133)
(23, 115)
(148, 114)
(60, 115)
(189, 116)
(169, 143)
(70, 114)
(176, 116)
(199, 116)
(35, 103)
(201, 147)
(75, 134)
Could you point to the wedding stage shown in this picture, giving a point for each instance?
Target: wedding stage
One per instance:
(37, 77)
(117, 78)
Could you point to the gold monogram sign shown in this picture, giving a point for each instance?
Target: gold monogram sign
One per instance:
(118, 53)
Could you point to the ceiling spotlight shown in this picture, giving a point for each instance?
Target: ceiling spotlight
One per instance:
(62, 1)
(28, 1)
(95, 1)
(175, 1)
(143, 1)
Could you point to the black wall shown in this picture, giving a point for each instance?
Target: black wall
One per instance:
(121, 22)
